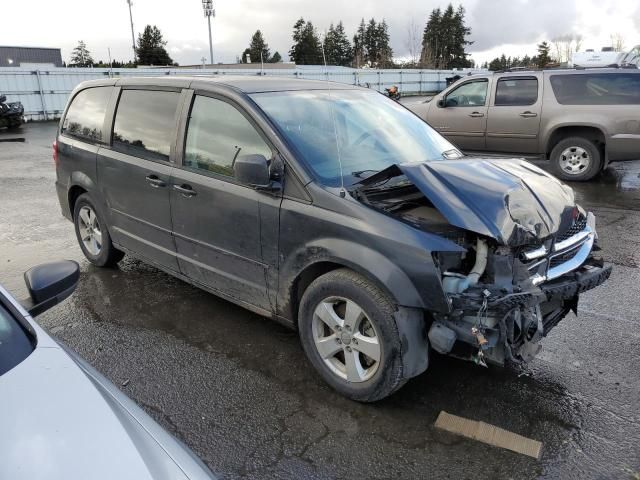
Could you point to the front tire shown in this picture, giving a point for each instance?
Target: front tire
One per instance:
(93, 235)
(576, 159)
(349, 334)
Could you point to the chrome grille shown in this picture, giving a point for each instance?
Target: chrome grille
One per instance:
(568, 252)
(578, 226)
(565, 256)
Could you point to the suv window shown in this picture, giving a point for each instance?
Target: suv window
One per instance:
(217, 133)
(470, 94)
(144, 123)
(597, 89)
(516, 91)
(85, 116)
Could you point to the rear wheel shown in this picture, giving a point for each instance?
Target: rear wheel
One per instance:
(93, 235)
(350, 336)
(576, 159)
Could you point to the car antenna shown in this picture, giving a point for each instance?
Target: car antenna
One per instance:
(333, 119)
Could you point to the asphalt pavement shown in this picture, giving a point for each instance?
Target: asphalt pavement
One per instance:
(237, 389)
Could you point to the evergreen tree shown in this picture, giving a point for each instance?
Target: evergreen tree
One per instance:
(385, 53)
(371, 42)
(543, 54)
(358, 46)
(306, 48)
(337, 47)
(258, 49)
(277, 58)
(80, 56)
(150, 49)
(445, 38)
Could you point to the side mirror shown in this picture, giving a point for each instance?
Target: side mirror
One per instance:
(49, 284)
(253, 170)
(441, 103)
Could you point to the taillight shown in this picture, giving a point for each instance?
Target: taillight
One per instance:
(55, 153)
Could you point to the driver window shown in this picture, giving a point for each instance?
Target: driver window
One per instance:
(470, 94)
(217, 134)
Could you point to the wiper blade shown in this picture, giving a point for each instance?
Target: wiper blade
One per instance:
(358, 173)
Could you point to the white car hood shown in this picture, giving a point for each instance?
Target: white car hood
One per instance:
(58, 421)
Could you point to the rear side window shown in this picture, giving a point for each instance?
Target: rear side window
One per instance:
(85, 116)
(217, 134)
(144, 124)
(516, 91)
(597, 89)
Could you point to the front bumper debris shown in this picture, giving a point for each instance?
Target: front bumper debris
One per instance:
(587, 277)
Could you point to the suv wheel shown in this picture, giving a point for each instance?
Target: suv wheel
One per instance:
(348, 332)
(92, 234)
(576, 159)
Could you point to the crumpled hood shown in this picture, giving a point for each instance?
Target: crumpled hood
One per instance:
(509, 200)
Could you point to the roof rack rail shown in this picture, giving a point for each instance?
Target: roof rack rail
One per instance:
(558, 67)
(613, 65)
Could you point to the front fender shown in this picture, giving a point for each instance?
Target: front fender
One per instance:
(369, 263)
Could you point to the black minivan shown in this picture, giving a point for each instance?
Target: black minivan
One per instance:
(329, 208)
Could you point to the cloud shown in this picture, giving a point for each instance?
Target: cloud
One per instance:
(499, 22)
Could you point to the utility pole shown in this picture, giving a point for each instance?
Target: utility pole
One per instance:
(133, 38)
(209, 12)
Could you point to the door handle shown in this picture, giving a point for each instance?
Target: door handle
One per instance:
(476, 114)
(185, 190)
(528, 114)
(155, 182)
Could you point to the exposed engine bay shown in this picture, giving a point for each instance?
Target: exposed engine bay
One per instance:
(512, 281)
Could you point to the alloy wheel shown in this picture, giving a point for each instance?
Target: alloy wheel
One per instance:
(346, 339)
(90, 232)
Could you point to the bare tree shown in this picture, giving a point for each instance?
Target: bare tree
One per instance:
(565, 46)
(617, 42)
(414, 41)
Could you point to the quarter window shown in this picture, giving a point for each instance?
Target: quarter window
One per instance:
(144, 123)
(597, 88)
(85, 116)
(516, 91)
(217, 134)
(470, 94)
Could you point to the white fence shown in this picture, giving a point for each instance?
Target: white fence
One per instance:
(44, 92)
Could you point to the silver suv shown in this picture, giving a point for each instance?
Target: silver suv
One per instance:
(579, 119)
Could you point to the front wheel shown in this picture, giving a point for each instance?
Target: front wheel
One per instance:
(349, 334)
(93, 235)
(576, 159)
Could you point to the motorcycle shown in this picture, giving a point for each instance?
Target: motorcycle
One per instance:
(11, 114)
(393, 93)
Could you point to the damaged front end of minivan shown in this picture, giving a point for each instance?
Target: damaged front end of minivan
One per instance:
(527, 250)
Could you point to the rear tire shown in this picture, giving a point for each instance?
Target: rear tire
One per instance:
(93, 235)
(576, 159)
(341, 316)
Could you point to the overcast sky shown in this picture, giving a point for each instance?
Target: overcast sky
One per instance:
(510, 26)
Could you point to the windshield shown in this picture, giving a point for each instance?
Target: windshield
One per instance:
(15, 345)
(365, 133)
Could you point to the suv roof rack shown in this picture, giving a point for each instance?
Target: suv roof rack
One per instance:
(558, 67)
(613, 65)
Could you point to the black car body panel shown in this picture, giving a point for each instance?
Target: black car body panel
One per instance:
(11, 113)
